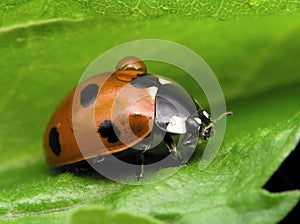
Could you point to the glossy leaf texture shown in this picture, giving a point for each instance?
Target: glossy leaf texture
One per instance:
(23, 13)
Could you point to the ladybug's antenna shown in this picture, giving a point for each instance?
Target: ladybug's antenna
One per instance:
(221, 116)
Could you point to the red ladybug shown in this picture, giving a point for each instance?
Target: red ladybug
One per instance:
(150, 105)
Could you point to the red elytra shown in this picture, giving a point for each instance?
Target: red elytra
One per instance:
(131, 114)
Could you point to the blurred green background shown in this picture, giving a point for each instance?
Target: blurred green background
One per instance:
(252, 46)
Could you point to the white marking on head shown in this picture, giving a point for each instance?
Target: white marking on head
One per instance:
(153, 91)
(177, 125)
(205, 114)
(198, 120)
(163, 81)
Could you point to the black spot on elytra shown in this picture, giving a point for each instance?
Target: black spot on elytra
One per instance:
(88, 95)
(108, 130)
(54, 141)
(145, 81)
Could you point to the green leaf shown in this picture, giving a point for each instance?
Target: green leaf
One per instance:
(96, 214)
(253, 207)
(16, 12)
(230, 189)
(45, 47)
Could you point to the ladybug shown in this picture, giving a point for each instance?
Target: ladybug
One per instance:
(128, 107)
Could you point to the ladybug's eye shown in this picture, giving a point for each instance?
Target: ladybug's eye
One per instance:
(131, 63)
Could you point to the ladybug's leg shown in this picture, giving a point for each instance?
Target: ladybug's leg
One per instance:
(172, 149)
(192, 132)
(142, 147)
(145, 144)
(98, 159)
(140, 160)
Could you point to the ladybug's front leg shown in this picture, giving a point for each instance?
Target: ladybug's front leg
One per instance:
(192, 132)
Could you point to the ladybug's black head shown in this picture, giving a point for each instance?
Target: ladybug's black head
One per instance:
(206, 125)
